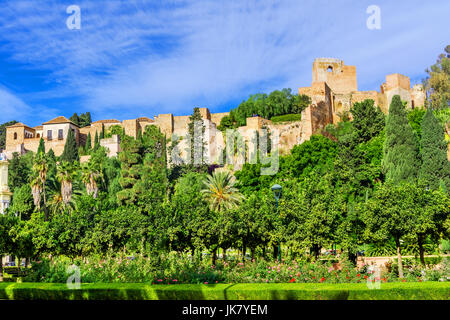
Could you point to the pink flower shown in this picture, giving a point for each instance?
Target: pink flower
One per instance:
(159, 280)
(174, 280)
(205, 282)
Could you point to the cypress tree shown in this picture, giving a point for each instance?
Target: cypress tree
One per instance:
(401, 152)
(197, 143)
(96, 141)
(102, 133)
(435, 170)
(75, 119)
(51, 155)
(88, 145)
(87, 118)
(84, 119)
(41, 148)
(368, 120)
(70, 153)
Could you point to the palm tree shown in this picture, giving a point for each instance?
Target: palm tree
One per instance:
(220, 193)
(57, 204)
(91, 173)
(40, 167)
(36, 189)
(66, 173)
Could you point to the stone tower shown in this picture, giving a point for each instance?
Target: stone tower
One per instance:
(5, 194)
(339, 77)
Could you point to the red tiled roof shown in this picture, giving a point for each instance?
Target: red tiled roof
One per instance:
(60, 119)
(20, 125)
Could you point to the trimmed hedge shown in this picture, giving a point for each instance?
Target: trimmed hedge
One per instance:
(287, 117)
(254, 291)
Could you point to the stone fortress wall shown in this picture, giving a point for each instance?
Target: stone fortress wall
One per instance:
(335, 85)
(333, 91)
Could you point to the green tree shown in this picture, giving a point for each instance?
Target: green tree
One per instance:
(437, 84)
(143, 170)
(401, 156)
(314, 214)
(102, 133)
(431, 209)
(368, 121)
(92, 173)
(186, 212)
(435, 167)
(75, 119)
(41, 148)
(196, 136)
(39, 176)
(390, 212)
(415, 117)
(22, 202)
(220, 193)
(300, 103)
(96, 141)
(19, 170)
(226, 122)
(3, 133)
(66, 174)
(84, 119)
(88, 145)
(70, 153)
(318, 153)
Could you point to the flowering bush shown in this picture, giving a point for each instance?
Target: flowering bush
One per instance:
(177, 268)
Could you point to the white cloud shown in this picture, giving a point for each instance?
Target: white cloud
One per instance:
(11, 107)
(134, 58)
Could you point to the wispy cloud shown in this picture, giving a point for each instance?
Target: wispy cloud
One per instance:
(134, 58)
(11, 106)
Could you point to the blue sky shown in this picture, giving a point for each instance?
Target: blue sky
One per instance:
(143, 58)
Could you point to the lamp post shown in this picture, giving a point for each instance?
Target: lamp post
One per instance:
(276, 189)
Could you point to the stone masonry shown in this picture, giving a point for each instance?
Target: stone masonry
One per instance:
(333, 91)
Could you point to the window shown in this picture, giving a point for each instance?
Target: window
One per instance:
(38, 135)
(60, 134)
(330, 69)
(15, 135)
(49, 135)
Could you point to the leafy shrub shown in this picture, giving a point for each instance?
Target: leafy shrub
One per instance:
(286, 118)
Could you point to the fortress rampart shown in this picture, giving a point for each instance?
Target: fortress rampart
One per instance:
(333, 91)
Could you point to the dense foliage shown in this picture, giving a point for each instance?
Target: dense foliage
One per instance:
(277, 103)
(376, 184)
(3, 133)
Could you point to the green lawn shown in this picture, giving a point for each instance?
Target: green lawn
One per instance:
(286, 118)
(257, 291)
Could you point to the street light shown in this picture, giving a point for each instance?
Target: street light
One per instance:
(276, 189)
